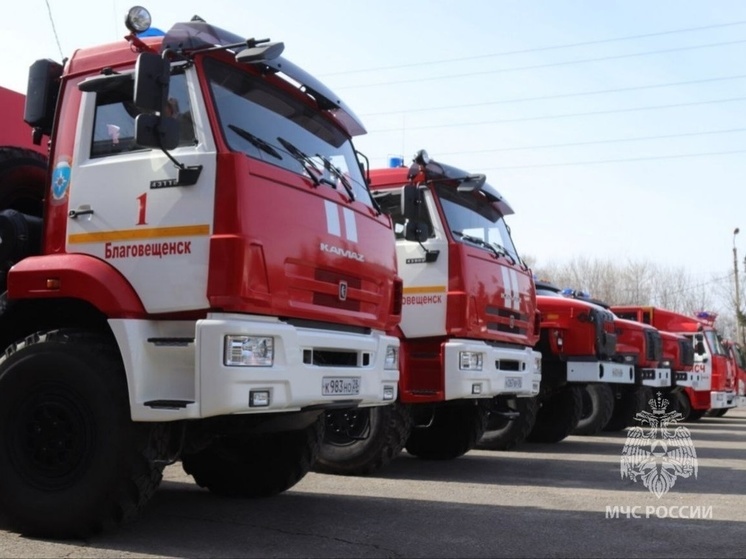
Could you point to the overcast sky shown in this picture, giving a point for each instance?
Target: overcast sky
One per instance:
(614, 128)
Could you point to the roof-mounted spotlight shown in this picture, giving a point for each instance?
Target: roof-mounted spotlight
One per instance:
(138, 20)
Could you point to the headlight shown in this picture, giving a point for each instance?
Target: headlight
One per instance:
(249, 351)
(392, 357)
(470, 360)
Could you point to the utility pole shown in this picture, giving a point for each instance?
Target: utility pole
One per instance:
(738, 290)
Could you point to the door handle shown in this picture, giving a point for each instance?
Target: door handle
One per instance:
(82, 210)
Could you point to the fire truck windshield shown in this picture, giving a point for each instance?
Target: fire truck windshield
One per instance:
(475, 219)
(267, 123)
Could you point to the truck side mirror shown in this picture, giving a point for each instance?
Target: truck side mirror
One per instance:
(699, 348)
(152, 74)
(41, 96)
(411, 201)
(417, 231)
(155, 131)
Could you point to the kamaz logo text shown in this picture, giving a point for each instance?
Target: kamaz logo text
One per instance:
(331, 249)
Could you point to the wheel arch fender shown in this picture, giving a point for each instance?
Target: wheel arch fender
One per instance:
(75, 276)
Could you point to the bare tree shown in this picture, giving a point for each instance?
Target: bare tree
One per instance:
(645, 283)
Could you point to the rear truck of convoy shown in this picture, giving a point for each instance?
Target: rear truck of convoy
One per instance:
(469, 323)
(711, 384)
(207, 273)
(737, 355)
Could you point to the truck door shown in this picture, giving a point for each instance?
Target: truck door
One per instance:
(126, 207)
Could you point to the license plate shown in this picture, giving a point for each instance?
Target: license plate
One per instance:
(513, 382)
(340, 386)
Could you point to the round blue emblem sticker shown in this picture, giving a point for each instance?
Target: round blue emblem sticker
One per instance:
(60, 179)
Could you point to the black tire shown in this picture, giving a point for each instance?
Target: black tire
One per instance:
(22, 183)
(22, 180)
(256, 466)
(695, 415)
(505, 433)
(558, 415)
(682, 405)
(361, 441)
(598, 406)
(718, 412)
(454, 431)
(626, 406)
(72, 462)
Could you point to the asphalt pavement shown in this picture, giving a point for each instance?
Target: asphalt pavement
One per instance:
(568, 499)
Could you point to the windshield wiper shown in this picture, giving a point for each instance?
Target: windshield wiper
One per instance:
(502, 250)
(307, 163)
(255, 141)
(476, 241)
(338, 174)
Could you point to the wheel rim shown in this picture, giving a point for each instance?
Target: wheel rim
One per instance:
(50, 438)
(345, 427)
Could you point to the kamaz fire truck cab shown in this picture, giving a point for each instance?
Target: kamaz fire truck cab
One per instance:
(214, 273)
(469, 321)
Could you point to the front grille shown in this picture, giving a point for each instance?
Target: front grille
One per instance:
(686, 352)
(337, 279)
(333, 289)
(605, 338)
(504, 319)
(509, 365)
(333, 358)
(653, 345)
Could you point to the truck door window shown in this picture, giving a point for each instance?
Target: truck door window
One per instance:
(716, 347)
(114, 122)
(390, 203)
(267, 123)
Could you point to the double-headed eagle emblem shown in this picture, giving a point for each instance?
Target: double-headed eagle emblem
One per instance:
(661, 454)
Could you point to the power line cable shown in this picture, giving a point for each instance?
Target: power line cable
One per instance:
(535, 49)
(567, 115)
(557, 96)
(596, 142)
(539, 66)
(627, 160)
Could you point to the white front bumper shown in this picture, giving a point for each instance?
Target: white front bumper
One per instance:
(504, 371)
(194, 374)
(657, 378)
(687, 378)
(600, 371)
(725, 399)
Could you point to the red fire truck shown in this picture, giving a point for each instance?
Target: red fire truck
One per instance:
(711, 384)
(580, 371)
(737, 357)
(196, 274)
(641, 346)
(469, 322)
